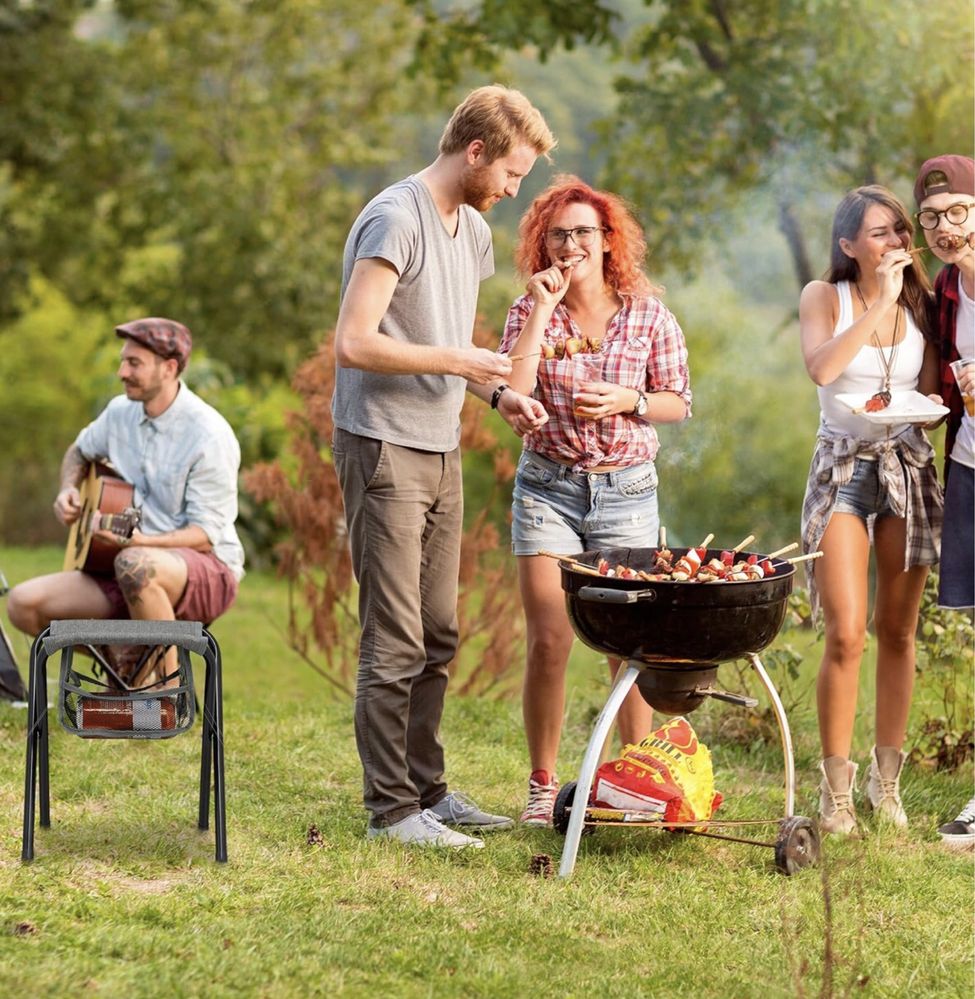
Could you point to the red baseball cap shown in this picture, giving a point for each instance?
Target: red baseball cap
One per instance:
(948, 173)
(164, 337)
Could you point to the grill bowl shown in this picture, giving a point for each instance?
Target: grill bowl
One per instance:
(669, 624)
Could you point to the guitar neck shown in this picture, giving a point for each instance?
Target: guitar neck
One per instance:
(121, 524)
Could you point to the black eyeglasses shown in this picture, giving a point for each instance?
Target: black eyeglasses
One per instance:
(582, 235)
(928, 218)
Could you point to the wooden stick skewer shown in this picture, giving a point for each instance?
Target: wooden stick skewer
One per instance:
(663, 537)
(521, 357)
(587, 570)
(706, 541)
(804, 558)
(782, 551)
(744, 541)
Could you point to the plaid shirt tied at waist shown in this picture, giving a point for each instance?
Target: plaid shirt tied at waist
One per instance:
(905, 468)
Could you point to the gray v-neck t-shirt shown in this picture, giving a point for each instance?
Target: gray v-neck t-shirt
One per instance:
(434, 303)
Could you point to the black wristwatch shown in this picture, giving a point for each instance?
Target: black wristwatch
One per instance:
(642, 404)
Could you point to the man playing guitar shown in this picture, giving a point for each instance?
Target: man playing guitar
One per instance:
(184, 560)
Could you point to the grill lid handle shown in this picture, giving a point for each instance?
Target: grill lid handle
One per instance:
(599, 594)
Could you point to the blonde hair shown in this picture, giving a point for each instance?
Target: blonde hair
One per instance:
(500, 118)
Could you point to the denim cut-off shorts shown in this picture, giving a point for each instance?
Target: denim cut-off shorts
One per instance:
(568, 512)
(863, 495)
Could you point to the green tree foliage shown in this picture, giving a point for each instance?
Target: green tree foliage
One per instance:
(738, 466)
(203, 159)
(49, 128)
(717, 100)
(44, 405)
(789, 98)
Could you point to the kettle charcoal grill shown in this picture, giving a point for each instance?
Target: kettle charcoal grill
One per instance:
(673, 636)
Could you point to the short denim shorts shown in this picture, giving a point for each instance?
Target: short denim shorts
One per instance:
(568, 512)
(863, 495)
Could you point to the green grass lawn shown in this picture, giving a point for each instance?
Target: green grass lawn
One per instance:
(124, 897)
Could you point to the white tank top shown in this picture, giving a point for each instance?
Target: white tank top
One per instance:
(865, 374)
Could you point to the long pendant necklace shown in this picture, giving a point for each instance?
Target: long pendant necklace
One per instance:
(881, 399)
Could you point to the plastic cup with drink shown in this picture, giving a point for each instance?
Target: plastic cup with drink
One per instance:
(964, 372)
(586, 369)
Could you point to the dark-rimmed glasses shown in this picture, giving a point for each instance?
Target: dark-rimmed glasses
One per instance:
(582, 235)
(928, 218)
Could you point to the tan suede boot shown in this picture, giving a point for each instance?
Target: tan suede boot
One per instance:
(836, 811)
(883, 784)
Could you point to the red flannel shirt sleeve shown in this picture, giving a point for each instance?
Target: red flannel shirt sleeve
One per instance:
(667, 369)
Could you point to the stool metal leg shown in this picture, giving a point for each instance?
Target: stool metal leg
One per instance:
(206, 747)
(36, 747)
(219, 782)
(590, 763)
(212, 751)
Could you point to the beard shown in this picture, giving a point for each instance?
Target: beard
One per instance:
(477, 189)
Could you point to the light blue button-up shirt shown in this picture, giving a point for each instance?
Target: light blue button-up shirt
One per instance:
(183, 465)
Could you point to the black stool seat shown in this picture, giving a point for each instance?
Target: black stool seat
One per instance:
(62, 636)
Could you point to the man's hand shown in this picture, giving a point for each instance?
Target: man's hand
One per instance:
(521, 412)
(67, 505)
(482, 366)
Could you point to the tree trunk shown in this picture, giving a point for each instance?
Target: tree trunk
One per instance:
(789, 227)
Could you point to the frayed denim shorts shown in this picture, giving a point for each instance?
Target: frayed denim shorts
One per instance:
(863, 495)
(556, 509)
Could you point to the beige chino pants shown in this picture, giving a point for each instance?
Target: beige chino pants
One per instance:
(404, 509)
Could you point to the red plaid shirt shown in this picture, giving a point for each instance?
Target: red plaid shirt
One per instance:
(643, 349)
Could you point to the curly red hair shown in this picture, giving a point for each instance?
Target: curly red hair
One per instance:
(625, 245)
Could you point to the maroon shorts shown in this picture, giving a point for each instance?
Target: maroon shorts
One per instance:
(210, 588)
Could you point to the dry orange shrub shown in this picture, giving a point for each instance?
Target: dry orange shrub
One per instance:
(305, 498)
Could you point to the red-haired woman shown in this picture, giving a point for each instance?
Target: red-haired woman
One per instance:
(586, 480)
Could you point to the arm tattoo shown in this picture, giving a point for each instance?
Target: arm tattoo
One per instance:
(73, 466)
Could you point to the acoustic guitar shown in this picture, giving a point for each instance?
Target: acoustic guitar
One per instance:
(106, 505)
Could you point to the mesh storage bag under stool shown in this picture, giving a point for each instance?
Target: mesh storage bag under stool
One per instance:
(93, 708)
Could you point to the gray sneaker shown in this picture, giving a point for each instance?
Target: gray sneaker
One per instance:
(457, 809)
(424, 829)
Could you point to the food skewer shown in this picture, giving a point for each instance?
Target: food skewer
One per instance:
(706, 541)
(575, 563)
(744, 541)
(804, 558)
(782, 551)
(521, 357)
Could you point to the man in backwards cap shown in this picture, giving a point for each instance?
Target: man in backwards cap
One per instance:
(945, 196)
(181, 457)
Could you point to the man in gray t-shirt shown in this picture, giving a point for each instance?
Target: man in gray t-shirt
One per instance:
(413, 262)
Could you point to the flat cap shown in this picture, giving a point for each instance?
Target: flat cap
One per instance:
(164, 337)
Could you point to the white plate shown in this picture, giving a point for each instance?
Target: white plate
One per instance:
(905, 407)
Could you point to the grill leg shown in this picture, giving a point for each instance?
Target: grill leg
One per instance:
(590, 763)
(790, 763)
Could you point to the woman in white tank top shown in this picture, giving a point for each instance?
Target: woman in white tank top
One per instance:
(866, 328)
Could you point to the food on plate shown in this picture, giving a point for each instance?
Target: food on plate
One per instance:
(876, 402)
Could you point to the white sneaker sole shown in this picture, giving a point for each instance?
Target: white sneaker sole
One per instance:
(962, 844)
